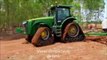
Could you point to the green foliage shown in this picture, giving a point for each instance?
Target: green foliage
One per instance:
(93, 4)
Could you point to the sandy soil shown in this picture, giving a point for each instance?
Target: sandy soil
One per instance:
(93, 48)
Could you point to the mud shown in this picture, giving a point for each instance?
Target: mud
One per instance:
(92, 48)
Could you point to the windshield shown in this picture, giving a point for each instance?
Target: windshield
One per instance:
(63, 13)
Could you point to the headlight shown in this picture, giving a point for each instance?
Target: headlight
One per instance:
(24, 23)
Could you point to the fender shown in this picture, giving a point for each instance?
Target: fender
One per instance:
(36, 25)
(68, 19)
(44, 25)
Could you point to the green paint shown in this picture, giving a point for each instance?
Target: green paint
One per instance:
(96, 34)
(33, 24)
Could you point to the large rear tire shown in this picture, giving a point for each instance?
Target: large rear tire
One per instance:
(42, 37)
(72, 32)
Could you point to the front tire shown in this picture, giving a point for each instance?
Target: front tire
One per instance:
(42, 37)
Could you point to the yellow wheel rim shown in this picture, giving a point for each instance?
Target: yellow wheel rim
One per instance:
(45, 35)
(72, 30)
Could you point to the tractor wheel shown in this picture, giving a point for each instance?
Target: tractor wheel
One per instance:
(42, 37)
(72, 32)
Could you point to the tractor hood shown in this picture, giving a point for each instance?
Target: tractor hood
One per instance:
(29, 24)
(42, 18)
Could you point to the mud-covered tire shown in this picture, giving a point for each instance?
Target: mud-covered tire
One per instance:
(78, 36)
(37, 40)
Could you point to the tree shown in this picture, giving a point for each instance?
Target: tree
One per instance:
(93, 6)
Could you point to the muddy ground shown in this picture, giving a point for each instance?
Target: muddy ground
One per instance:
(92, 48)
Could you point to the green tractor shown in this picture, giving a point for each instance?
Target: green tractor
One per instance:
(59, 25)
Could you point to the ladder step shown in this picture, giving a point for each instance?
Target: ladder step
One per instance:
(59, 35)
(58, 32)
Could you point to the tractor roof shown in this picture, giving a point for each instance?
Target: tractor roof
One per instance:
(61, 6)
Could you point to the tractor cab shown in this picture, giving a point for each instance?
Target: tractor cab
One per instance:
(60, 13)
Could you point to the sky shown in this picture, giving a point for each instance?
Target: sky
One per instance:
(105, 14)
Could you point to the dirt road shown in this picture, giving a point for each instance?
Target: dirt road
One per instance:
(85, 50)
